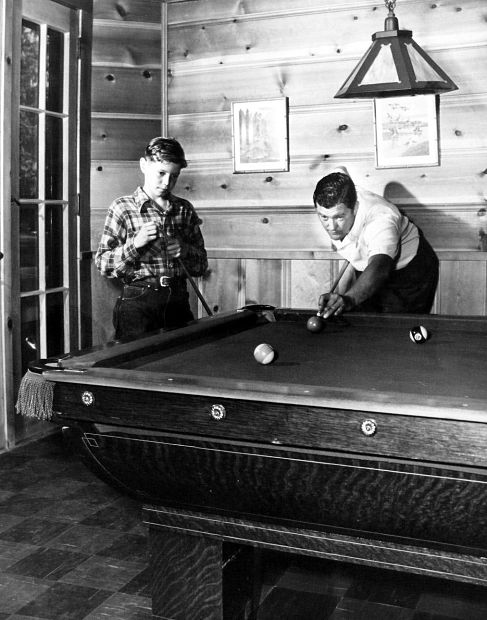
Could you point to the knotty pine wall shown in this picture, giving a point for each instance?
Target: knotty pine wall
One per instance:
(264, 241)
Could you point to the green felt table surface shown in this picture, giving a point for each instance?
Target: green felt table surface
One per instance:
(378, 357)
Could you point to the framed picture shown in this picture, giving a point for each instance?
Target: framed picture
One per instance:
(406, 131)
(260, 135)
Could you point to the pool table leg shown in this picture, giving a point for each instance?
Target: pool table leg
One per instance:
(187, 581)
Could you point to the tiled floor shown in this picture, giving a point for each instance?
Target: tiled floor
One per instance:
(72, 548)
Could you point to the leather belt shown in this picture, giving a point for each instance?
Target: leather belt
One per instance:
(157, 283)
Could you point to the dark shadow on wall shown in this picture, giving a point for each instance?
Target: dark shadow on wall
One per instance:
(441, 227)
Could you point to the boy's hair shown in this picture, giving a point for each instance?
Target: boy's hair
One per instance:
(335, 188)
(166, 149)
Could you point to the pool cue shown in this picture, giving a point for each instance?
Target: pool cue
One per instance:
(188, 275)
(336, 281)
(339, 276)
(196, 289)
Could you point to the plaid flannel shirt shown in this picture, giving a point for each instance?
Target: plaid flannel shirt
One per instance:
(117, 256)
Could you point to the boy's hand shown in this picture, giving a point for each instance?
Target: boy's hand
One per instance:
(174, 248)
(146, 234)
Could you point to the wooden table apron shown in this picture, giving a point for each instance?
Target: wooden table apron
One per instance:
(392, 475)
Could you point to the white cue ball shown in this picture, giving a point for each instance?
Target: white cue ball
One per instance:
(264, 353)
(418, 334)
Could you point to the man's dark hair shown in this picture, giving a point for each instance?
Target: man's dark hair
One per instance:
(166, 149)
(336, 188)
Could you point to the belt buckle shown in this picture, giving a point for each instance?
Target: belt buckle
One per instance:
(165, 281)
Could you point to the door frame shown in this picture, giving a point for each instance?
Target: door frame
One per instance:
(6, 332)
(79, 198)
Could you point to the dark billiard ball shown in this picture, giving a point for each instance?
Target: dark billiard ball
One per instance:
(418, 334)
(315, 324)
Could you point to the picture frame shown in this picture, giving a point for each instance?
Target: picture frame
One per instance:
(406, 131)
(260, 134)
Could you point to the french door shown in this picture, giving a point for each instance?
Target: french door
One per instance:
(44, 162)
(45, 189)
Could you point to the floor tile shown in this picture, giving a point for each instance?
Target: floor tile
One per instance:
(34, 531)
(61, 487)
(64, 601)
(122, 515)
(87, 539)
(123, 607)
(26, 506)
(12, 552)
(7, 521)
(74, 510)
(23, 478)
(105, 573)
(15, 592)
(95, 491)
(49, 564)
(132, 547)
(5, 496)
(140, 584)
(22, 617)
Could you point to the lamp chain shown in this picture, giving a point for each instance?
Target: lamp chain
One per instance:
(390, 5)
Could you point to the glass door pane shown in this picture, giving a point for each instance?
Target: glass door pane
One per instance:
(54, 71)
(29, 155)
(29, 247)
(44, 162)
(29, 64)
(54, 243)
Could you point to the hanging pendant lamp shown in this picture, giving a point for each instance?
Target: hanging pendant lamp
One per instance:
(395, 65)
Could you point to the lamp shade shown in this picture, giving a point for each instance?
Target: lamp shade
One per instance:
(395, 65)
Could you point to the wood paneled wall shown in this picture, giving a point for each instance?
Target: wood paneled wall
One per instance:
(264, 241)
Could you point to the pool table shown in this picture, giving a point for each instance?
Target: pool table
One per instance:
(354, 444)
